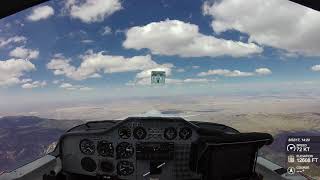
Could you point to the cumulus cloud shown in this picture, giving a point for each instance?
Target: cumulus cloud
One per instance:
(24, 53)
(40, 13)
(226, 72)
(263, 71)
(12, 70)
(14, 39)
(68, 86)
(235, 73)
(174, 37)
(26, 80)
(315, 67)
(34, 84)
(106, 31)
(276, 23)
(95, 63)
(89, 11)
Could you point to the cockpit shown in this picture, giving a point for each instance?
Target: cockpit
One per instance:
(140, 148)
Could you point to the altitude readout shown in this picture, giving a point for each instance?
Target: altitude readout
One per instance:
(105, 148)
(124, 150)
(303, 153)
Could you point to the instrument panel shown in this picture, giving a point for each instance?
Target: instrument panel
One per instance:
(135, 148)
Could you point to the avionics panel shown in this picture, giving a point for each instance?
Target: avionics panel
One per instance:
(136, 148)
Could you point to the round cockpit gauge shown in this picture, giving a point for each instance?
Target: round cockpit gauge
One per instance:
(87, 147)
(105, 148)
(124, 132)
(170, 133)
(185, 133)
(106, 166)
(139, 133)
(88, 164)
(124, 150)
(125, 168)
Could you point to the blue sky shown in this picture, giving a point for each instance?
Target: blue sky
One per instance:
(87, 48)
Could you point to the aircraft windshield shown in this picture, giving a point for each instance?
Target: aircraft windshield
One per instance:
(251, 65)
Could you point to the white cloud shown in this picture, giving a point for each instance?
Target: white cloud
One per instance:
(40, 13)
(89, 11)
(57, 81)
(34, 84)
(26, 80)
(106, 31)
(24, 53)
(14, 39)
(87, 41)
(226, 72)
(277, 23)
(263, 71)
(94, 63)
(315, 67)
(198, 80)
(12, 70)
(68, 86)
(235, 73)
(174, 37)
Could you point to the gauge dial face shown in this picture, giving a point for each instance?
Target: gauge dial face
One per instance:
(139, 133)
(88, 164)
(170, 133)
(124, 150)
(125, 168)
(105, 148)
(185, 133)
(106, 166)
(124, 132)
(87, 147)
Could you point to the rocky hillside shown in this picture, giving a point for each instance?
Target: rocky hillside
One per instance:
(25, 138)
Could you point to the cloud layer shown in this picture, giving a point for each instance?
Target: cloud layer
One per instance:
(277, 23)
(174, 37)
(24, 53)
(40, 13)
(235, 73)
(68, 86)
(12, 70)
(90, 11)
(95, 63)
(34, 84)
(315, 67)
(14, 39)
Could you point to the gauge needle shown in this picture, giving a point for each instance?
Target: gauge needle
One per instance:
(159, 166)
(146, 174)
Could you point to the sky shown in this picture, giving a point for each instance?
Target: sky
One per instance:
(89, 49)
